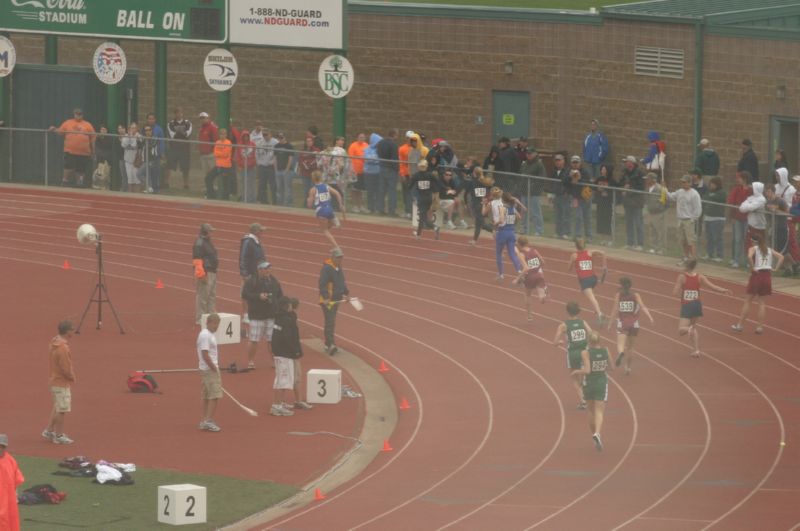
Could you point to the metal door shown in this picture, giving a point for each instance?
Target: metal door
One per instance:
(511, 114)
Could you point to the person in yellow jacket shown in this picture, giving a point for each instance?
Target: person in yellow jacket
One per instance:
(223, 168)
(62, 376)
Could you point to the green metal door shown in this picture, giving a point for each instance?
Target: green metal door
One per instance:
(511, 114)
(45, 95)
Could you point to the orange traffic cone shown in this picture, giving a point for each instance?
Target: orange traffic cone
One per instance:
(66, 265)
(159, 284)
(386, 446)
(383, 367)
(318, 495)
(404, 404)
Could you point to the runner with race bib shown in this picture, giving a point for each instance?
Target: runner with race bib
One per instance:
(688, 287)
(532, 275)
(583, 261)
(625, 309)
(504, 215)
(577, 333)
(595, 385)
(319, 198)
(763, 262)
(478, 192)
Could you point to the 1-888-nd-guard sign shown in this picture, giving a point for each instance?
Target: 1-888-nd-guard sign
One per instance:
(336, 76)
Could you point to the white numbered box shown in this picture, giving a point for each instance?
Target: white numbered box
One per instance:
(182, 504)
(229, 330)
(324, 386)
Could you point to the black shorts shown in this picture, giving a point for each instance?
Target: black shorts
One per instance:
(79, 163)
(178, 156)
(691, 309)
(360, 185)
(588, 282)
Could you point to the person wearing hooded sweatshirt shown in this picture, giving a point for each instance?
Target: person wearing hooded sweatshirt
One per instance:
(265, 164)
(656, 155)
(785, 191)
(246, 163)
(753, 206)
(372, 174)
(413, 152)
(736, 196)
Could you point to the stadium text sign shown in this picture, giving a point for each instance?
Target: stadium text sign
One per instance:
(288, 23)
(181, 20)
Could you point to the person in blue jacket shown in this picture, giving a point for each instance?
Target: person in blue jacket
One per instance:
(595, 148)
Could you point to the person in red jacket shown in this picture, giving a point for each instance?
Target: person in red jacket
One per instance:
(207, 135)
(245, 157)
(740, 191)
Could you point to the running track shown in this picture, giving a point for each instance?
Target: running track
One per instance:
(493, 439)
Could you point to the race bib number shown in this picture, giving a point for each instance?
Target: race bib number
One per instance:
(585, 265)
(511, 219)
(599, 365)
(577, 335)
(627, 306)
(764, 260)
(480, 192)
(324, 196)
(424, 185)
(533, 263)
(691, 295)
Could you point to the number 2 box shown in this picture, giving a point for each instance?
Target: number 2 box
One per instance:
(324, 386)
(229, 330)
(182, 504)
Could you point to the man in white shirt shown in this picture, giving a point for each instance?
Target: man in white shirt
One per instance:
(265, 160)
(689, 210)
(209, 369)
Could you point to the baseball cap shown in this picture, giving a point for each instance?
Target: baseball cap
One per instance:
(704, 142)
(747, 142)
(409, 134)
(206, 228)
(531, 149)
(264, 265)
(574, 158)
(796, 178)
(3, 440)
(686, 179)
(423, 164)
(203, 115)
(559, 156)
(280, 134)
(336, 252)
(256, 227)
(629, 158)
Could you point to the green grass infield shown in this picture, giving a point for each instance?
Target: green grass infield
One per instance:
(90, 505)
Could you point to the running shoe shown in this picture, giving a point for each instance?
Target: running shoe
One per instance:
(62, 439)
(598, 444)
(279, 411)
(736, 327)
(211, 426)
(759, 330)
(618, 361)
(415, 235)
(333, 350)
(627, 371)
(285, 405)
(436, 231)
(49, 435)
(499, 279)
(302, 405)
(450, 226)
(582, 405)
(463, 224)
(638, 248)
(473, 243)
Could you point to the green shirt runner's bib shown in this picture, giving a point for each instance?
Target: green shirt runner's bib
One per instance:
(598, 363)
(576, 335)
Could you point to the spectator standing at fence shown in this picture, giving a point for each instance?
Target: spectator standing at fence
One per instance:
(356, 154)
(372, 176)
(307, 163)
(246, 164)
(779, 210)
(714, 219)
(131, 144)
(689, 208)
(780, 160)
(265, 164)
(158, 133)
(707, 160)
(595, 148)
(753, 206)
(532, 188)
(222, 170)
(388, 153)
(333, 163)
(604, 199)
(736, 196)
(749, 160)
(104, 154)
(78, 149)
(316, 139)
(656, 155)
(633, 203)
(583, 195)
(406, 170)
(561, 198)
(283, 168)
(150, 172)
(521, 149)
(207, 136)
(206, 262)
(654, 225)
(492, 163)
(178, 153)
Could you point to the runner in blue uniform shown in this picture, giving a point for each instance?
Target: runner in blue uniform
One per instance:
(504, 215)
(319, 197)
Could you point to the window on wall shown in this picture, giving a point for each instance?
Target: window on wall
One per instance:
(659, 62)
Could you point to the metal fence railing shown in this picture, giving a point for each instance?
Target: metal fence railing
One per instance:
(603, 211)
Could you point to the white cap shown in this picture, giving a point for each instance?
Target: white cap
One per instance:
(203, 115)
(409, 134)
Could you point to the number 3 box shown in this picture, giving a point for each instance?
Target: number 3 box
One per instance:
(229, 330)
(181, 504)
(324, 386)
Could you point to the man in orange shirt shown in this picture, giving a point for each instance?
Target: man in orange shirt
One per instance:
(78, 149)
(10, 479)
(356, 149)
(62, 376)
(223, 168)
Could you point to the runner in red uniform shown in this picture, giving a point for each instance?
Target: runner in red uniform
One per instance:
(761, 260)
(626, 308)
(583, 261)
(688, 287)
(532, 275)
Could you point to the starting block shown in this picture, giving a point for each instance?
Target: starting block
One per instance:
(324, 386)
(181, 504)
(229, 330)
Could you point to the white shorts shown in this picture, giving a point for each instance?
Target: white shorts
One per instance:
(284, 373)
(444, 204)
(261, 329)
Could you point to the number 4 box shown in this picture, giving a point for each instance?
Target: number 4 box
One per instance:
(229, 330)
(324, 386)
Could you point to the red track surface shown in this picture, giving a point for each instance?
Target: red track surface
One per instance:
(492, 440)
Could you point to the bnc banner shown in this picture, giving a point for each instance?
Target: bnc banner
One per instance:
(315, 24)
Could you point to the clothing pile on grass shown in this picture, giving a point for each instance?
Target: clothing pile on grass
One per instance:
(103, 472)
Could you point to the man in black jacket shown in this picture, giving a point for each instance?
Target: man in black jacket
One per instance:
(749, 160)
(287, 350)
(332, 291)
(206, 262)
(388, 151)
(262, 292)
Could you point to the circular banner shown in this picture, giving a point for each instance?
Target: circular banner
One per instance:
(336, 76)
(8, 56)
(109, 63)
(220, 69)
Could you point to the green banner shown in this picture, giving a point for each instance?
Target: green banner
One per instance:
(173, 20)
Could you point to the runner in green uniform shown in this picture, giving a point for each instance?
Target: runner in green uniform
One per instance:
(577, 331)
(595, 384)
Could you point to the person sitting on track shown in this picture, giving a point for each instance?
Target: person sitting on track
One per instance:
(625, 310)
(532, 276)
(577, 331)
(425, 185)
(688, 287)
(319, 197)
(595, 384)
(583, 261)
(761, 260)
(504, 215)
